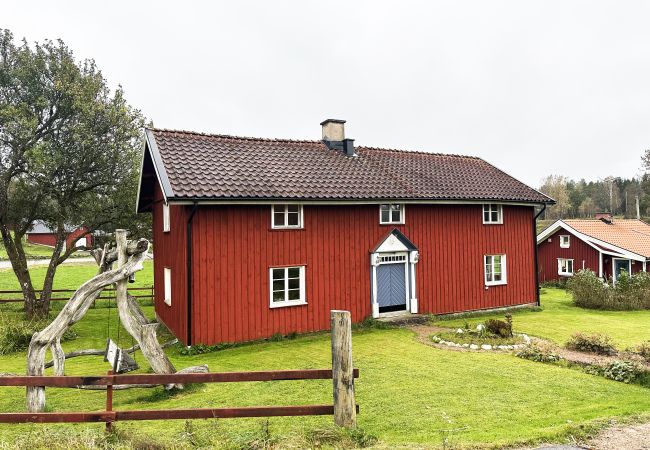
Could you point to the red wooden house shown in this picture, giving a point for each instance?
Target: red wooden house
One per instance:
(261, 236)
(40, 233)
(603, 245)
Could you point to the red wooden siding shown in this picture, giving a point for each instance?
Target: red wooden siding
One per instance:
(169, 251)
(49, 239)
(233, 248)
(583, 255)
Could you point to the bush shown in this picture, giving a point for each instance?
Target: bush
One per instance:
(588, 290)
(15, 335)
(598, 343)
(623, 371)
(539, 352)
(629, 292)
(498, 327)
(643, 350)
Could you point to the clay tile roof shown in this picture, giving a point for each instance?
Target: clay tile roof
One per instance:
(630, 235)
(202, 166)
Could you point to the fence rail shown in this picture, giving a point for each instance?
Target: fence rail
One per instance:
(149, 294)
(344, 409)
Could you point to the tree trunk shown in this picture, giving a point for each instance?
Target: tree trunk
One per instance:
(13, 246)
(48, 282)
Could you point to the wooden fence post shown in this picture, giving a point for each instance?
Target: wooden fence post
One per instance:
(345, 414)
(109, 402)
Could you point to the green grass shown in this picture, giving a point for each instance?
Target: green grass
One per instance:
(474, 338)
(405, 390)
(559, 319)
(33, 251)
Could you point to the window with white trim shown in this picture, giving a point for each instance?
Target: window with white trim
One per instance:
(168, 286)
(564, 266)
(492, 214)
(392, 213)
(166, 226)
(287, 286)
(565, 241)
(286, 216)
(495, 269)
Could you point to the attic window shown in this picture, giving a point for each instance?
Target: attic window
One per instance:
(492, 214)
(391, 214)
(286, 216)
(565, 241)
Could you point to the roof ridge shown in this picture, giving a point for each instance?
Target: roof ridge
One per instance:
(419, 152)
(230, 136)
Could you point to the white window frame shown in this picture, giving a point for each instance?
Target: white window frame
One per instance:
(504, 270)
(568, 241)
(559, 267)
(166, 218)
(402, 216)
(284, 303)
(499, 211)
(167, 278)
(285, 208)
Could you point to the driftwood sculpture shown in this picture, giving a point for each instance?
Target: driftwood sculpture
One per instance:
(129, 258)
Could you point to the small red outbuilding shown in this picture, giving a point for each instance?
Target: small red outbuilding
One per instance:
(261, 236)
(42, 234)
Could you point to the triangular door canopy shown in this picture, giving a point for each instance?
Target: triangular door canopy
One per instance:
(395, 241)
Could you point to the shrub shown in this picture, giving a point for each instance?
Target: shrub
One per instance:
(15, 335)
(540, 352)
(643, 350)
(623, 371)
(588, 290)
(498, 327)
(598, 343)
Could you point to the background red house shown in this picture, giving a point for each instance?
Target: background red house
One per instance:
(42, 234)
(261, 236)
(603, 245)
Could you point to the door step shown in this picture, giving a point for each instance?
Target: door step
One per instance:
(403, 318)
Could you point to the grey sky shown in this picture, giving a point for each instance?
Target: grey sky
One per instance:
(533, 87)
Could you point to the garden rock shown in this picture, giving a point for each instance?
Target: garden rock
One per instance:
(486, 347)
(473, 346)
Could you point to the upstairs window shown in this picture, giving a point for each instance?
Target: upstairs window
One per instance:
(495, 269)
(492, 214)
(565, 241)
(391, 213)
(286, 216)
(166, 226)
(564, 267)
(287, 286)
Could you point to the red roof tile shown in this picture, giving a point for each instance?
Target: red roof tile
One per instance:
(630, 235)
(202, 166)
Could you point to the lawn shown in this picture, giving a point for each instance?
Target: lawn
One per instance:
(559, 319)
(405, 391)
(33, 251)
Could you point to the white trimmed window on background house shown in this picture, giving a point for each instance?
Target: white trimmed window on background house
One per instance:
(492, 214)
(287, 286)
(286, 216)
(168, 286)
(391, 214)
(564, 266)
(565, 241)
(166, 224)
(495, 269)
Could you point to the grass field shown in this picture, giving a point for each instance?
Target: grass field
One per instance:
(559, 319)
(408, 392)
(33, 251)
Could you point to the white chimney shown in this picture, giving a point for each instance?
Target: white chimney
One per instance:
(333, 130)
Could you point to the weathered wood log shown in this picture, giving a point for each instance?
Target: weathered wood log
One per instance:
(58, 357)
(110, 256)
(345, 414)
(100, 352)
(71, 313)
(134, 320)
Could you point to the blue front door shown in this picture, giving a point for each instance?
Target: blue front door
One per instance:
(391, 287)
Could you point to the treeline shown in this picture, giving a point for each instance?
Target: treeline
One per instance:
(582, 199)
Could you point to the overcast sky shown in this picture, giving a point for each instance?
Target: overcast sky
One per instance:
(532, 87)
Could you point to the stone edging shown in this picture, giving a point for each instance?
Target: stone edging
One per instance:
(487, 347)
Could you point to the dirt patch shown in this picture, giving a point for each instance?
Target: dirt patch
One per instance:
(631, 437)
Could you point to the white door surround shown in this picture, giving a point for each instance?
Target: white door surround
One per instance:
(395, 249)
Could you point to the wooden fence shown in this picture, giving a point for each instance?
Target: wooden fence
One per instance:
(65, 294)
(342, 374)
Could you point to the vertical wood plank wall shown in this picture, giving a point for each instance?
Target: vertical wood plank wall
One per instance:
(170, 251)
(234, 247)
(549, 252)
